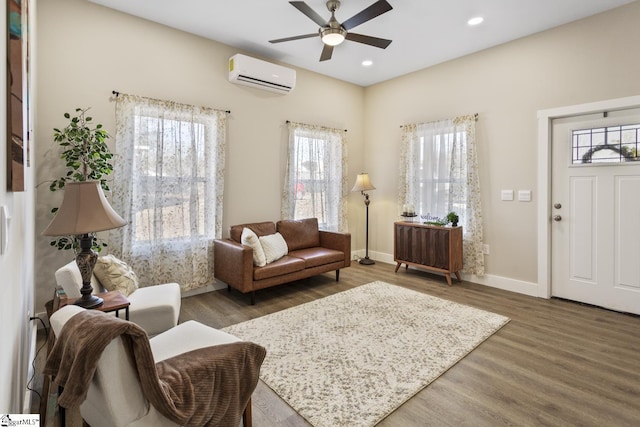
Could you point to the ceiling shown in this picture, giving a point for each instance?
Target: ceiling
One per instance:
(424, 32)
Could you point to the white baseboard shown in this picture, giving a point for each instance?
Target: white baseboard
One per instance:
(499, 282)
(28, 394)
(504, 283)
(216, 286)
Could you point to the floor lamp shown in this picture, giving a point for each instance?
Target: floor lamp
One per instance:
(84, 210)
(363, 183)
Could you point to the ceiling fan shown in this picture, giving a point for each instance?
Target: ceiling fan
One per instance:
(333, 33)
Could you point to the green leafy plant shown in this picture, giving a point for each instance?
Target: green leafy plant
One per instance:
(87, 158)
(452, 218)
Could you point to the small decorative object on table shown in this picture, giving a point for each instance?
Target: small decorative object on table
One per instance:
(408, 212)
(452, 218)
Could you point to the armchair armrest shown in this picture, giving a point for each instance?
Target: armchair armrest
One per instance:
(337, 241)
(233, 264)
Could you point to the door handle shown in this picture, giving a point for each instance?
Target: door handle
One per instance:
(557, 218)
(557, 205)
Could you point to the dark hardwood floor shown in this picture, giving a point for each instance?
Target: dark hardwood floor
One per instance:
(557, 363)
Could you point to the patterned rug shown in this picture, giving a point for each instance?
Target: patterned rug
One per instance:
(352, 358)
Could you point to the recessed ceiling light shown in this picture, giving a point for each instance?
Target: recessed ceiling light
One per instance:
(367, 63)
(475, 21)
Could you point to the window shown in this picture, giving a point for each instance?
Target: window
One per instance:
(611, 144)
(439, 174)
(165, 211)
(315, 181)
(168, 185)
(439, 188)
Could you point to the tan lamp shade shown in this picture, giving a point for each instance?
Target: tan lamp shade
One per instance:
(84, 210)
(363, 183)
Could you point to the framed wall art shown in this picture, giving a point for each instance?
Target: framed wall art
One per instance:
(17, 94)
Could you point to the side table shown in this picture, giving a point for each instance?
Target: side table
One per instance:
(113, 301)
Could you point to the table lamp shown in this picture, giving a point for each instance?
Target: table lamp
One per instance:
(84, 210)
(363, 183)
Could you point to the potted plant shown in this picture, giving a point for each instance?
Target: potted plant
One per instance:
(86, 156)
(452, 218)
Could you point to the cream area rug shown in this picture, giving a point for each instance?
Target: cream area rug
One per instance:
(352, 358)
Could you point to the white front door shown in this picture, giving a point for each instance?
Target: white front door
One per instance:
(595, 230)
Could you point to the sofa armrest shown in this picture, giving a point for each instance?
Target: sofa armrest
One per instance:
(337, 241)
(233, 264)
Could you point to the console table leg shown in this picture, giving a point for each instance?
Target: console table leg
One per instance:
(448, 276)
(458, 276)
(398, 266)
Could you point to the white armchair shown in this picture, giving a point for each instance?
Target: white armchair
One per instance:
(154, 308)
(115, 395)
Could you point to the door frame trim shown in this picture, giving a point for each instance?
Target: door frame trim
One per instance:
(545, 118)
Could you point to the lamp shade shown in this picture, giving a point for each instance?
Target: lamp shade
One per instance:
(84, 210)
(363, 183)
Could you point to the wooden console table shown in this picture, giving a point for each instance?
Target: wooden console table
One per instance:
(428, 247)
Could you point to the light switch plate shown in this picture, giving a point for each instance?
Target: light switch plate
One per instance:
(506, 195)
(524, 195)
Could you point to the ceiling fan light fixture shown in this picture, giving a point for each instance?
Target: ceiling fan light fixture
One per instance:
(333, 36)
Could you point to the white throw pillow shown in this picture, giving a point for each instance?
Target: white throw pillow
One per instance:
(115, 275)
(274, 247)
(250, 239)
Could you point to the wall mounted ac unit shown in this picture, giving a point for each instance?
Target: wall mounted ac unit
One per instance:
(253, 72)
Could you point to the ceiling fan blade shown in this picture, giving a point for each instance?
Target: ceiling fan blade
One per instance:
(327, 51)
(372, 41)
(310, 13)
(288, 39)
(376, 9)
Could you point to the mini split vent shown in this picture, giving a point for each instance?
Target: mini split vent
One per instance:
(244, 70)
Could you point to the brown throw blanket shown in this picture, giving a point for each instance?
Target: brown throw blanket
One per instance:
(205, 387)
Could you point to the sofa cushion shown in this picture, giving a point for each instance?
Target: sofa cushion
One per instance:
(249, 238)
(260, 228)
(314, 257)
(284, 265)
(115, 275)
(300, 234)
(274, 247)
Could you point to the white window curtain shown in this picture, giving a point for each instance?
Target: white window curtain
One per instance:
(168, 185)
(315, 183)
(439, 174)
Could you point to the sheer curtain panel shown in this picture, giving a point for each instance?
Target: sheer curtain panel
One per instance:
(315, 183)
(168, 185)
(439, 174)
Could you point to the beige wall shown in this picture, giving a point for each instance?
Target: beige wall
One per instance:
(16, 271)
(589, 60)
(86, 51)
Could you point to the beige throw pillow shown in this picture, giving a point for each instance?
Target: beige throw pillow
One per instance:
(274, 247)
(249, 238)
(115, 275)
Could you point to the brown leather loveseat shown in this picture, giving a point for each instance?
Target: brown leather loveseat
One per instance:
(310, 252)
